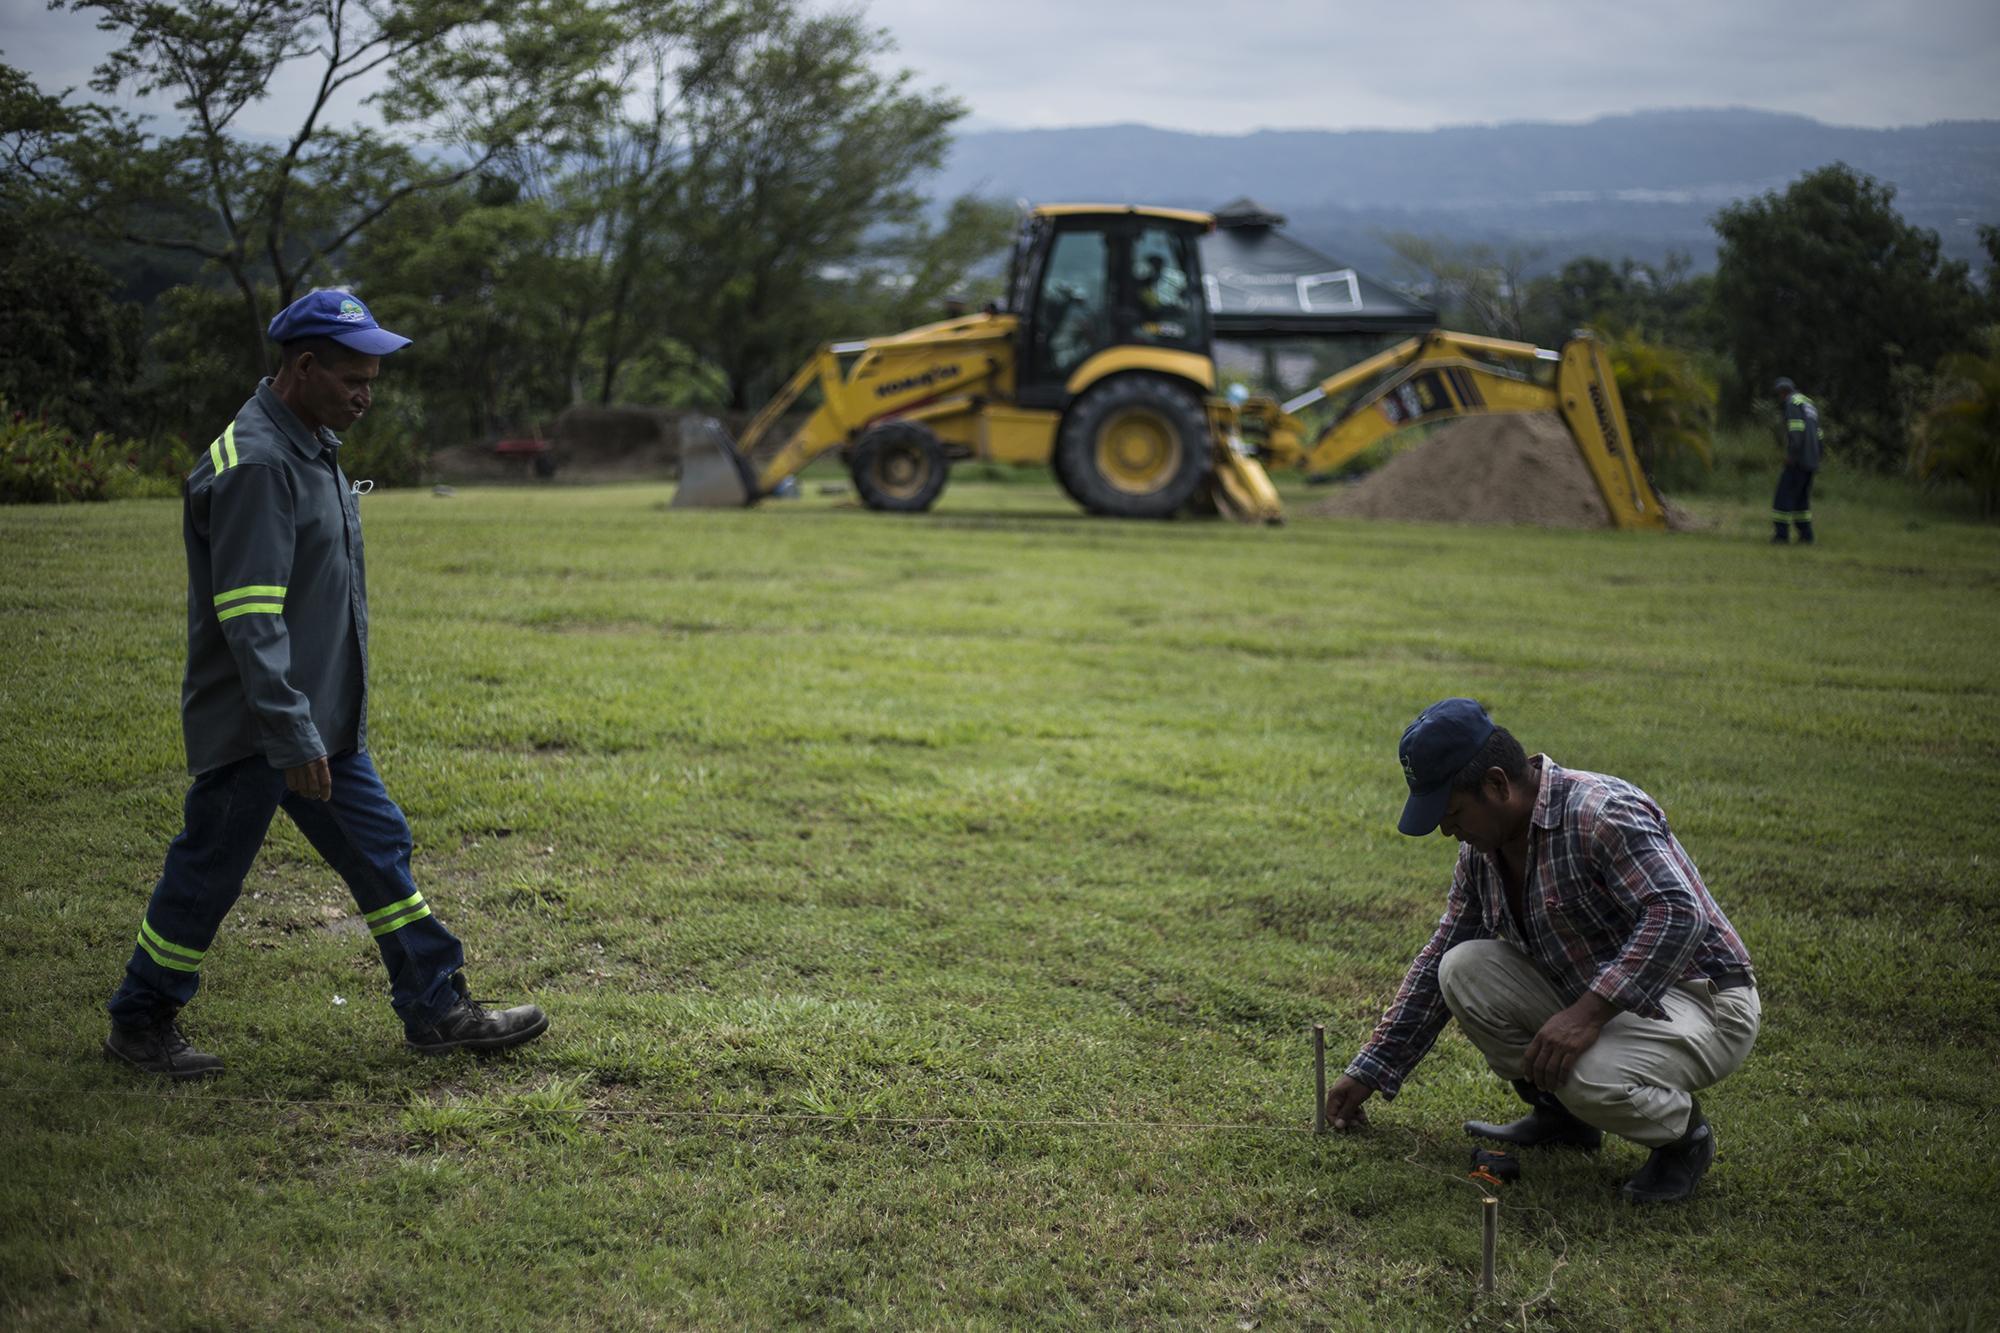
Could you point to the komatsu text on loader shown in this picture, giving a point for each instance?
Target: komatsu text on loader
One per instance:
(1101, 367)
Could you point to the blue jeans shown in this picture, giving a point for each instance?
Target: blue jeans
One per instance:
(361, 834)
(1793, 501)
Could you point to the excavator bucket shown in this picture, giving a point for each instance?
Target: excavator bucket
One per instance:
(714, 474)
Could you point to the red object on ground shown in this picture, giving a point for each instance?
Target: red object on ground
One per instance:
(534, 446)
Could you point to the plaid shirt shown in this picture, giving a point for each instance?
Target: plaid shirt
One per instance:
(1614, 905)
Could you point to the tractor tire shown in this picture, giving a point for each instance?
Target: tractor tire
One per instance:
(1134, 447)
(899, 467)
(1064, 480)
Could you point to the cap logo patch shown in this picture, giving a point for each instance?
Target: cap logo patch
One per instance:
(351, 312)
(1409, 772)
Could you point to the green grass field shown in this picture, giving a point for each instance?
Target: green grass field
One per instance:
(814, 827)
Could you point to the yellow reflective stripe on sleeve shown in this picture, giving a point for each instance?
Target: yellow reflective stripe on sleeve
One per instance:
(222, 449)
(167, 955)
(276, 590)
(251, 608)
(1798, 423)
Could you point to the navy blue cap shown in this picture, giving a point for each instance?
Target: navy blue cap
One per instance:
(1784, 386)
(1444, 739)
(336, 315)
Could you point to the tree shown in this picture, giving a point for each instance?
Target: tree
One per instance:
(800, 160)
(1958, 438)
(478, 277)
(1473, 287)
(1826, 284)
(478, 76)
(68, 346)
(1667, 303)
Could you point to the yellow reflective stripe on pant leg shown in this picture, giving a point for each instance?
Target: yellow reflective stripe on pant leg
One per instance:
(394, 923)
(175, 956)
(393, 909)
(397, 915)
(245, 608)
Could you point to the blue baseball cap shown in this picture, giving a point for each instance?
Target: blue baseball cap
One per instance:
(1444, 739)
(336, 315)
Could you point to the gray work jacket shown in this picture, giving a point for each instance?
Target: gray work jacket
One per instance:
(277, 598)
(1802, 432)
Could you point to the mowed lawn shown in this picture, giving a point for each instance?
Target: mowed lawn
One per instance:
(817, 829)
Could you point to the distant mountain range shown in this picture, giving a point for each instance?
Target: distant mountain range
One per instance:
(1638, 185)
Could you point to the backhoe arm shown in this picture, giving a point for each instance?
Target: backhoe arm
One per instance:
(1443, 375)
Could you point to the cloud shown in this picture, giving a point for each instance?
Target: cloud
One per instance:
(1179, 64)
(1289, 64)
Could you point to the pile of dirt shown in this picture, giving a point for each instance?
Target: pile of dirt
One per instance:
(1488, 469)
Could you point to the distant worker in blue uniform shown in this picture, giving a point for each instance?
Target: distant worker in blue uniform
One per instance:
(1792, 507)
(274, 708)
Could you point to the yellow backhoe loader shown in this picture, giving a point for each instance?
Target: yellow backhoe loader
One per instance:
(1101, 368)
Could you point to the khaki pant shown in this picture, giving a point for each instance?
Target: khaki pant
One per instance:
(1637, 1080)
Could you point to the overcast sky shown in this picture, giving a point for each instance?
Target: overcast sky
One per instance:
(1296, 64)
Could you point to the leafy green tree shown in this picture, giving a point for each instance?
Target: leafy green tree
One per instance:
(912, 277)
(68, 346)
(801, 161)
(1825, 283)
(1958, 438)
(476, 77)
(1668, 303)
(476, 276)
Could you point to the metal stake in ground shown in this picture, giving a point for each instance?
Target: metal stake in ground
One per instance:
(1319, 1078)
(1489, 1209)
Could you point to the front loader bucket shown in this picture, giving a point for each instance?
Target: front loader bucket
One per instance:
(1242, 490)
(713, 474)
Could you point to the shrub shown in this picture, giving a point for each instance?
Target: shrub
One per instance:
(41, 463)
(1669, 403)
(1958, 437)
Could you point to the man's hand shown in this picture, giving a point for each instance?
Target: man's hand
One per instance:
(1343, 1103)
(313, 780)
(1563, 1040)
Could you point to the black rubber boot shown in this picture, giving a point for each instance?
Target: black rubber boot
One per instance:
(1549, 1125)
(1805, 533)
(160, 1050)
(1781, 534)
(1672, 1172)
(470, 1026)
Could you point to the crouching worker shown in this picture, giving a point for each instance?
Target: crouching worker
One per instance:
(274, 706)
(1579, 951)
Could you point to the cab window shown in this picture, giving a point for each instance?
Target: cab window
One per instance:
(1072, 317)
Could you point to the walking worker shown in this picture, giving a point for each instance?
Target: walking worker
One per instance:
(1579, 951)
(274, 707)
(1793, 503)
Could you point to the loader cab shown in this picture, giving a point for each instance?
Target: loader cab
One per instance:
(1088, 278)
